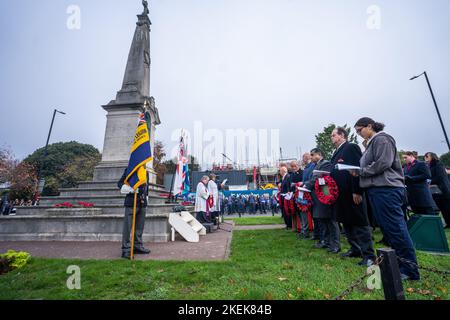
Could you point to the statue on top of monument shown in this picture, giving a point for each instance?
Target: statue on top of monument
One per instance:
(145, 4)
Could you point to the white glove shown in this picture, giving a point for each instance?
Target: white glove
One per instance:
(126, 189)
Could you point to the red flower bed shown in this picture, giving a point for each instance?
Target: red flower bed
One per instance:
(333, 191)
(86, 204)
(64, 205)
(69, 205)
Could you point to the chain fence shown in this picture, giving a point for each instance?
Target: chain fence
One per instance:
(444, 273)
(377, 262)
(358, 281)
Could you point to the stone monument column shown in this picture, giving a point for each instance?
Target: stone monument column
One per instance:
(131, 100)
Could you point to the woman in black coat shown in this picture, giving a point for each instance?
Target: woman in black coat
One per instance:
(439, 178)
(417, 174)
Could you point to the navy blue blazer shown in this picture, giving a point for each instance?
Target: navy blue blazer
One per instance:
(418, 190)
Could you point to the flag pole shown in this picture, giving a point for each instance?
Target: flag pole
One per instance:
(133, 226)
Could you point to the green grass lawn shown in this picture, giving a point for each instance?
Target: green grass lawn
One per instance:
(259, 220)
(264, 264)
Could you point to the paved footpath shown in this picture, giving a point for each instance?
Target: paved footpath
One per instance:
(213, 246)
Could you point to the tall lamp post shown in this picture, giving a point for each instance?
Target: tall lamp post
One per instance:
(41, 179)
(435, 104)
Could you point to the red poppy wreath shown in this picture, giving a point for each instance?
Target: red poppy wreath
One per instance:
(328, 193)
(304, 204)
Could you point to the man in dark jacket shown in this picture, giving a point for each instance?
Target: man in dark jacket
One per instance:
(296, 177)
(141, 205)
(417, 174)
(323, 214)
(350, 207)
(285, 188)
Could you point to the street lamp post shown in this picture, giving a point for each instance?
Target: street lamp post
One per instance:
(435, 104)
(42, 180)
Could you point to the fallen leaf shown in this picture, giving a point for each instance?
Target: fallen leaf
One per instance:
(424, 292)
(299, 289)
(160, 270)
(282, 279)
(244, 290)
(287, 265)
(327, 296)
(269, 296)
(290, 296)
(410, 290)
(443, 290)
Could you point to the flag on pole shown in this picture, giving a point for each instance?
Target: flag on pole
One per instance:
(181, 182)
(141, 154)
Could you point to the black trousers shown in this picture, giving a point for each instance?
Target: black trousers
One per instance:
(330, 233)
(423, 210)
(317, 231)
(203, 217)
(443, 205)
(139, 229)
(287, 218)
(360, 240)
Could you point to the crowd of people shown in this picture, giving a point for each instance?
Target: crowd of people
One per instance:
(376, 192)
(352, 193)
(249, 204)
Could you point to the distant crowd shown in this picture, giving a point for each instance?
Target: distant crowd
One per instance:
(249, 204)
(8, 207)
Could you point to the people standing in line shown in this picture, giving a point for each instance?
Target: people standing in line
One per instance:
(417, 174)
(440, 180)
(323, 214)
(381, 175)
(350, 207)
(201, 201)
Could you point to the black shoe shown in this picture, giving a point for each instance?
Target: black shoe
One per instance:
(366, 262)
(405, 277)
(334, 251)
(320, 245)
(350, 254)
(141, 251)
(126, 255)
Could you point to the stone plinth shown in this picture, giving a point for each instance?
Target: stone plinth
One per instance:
(78, 225)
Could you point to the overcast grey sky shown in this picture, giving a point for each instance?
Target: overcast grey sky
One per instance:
(296, 65)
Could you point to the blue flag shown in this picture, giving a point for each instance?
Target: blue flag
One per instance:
(141, 154)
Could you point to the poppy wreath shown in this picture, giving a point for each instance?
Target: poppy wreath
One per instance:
(289, 206)
(304, 205)
(333, 191)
